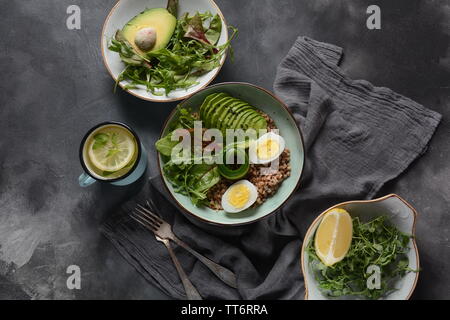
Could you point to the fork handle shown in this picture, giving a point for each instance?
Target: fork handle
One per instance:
(191, 292)
(224, 274)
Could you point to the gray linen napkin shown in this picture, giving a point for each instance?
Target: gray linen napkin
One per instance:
(357, 138)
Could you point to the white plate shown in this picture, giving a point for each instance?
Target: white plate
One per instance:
(400, 213)
(124, 10)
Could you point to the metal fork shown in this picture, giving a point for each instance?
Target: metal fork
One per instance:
(191, 291)
(163, 230)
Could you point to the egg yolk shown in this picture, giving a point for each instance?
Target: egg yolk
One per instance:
(238, 196)
(267, 149)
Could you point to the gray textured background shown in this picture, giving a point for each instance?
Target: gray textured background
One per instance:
(54, 87)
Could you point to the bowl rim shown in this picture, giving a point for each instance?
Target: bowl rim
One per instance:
(216, 72)
(391, 195)
(186, 211)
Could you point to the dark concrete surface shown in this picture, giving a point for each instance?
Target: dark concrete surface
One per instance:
(54, 87)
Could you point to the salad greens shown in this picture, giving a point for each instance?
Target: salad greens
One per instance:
(190, 179)
(191, 52)
(374, 243)
(185, 120)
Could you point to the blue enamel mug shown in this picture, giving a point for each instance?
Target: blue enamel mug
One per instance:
(89, 176)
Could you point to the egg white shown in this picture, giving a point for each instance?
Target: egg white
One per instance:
(252, 198)
(253, 152)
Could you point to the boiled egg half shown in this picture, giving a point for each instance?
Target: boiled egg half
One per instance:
(266, 148)
(239, 196)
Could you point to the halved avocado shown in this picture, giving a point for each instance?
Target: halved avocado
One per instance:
(159, 19)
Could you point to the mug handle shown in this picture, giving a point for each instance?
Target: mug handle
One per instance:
(85, 180)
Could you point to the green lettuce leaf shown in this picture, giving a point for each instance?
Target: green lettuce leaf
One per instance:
(214, 30)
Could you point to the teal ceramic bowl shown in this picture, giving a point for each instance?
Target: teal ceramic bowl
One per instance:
(277, 110)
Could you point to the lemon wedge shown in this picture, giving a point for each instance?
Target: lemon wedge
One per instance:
(112, 149)
(334, 236)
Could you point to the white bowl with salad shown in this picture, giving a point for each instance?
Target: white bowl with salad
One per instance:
(362, 250)
(164, 50)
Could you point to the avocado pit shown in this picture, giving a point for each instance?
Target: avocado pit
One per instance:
(145, 39)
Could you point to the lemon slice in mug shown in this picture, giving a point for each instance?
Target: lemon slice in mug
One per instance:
(111, 149)
(334, 236)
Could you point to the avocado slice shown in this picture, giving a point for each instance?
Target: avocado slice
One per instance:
(258, 122)
(223, 125)
(255, 121)
(209, 103)
(211, 108)
(244, 115)
(158, 19)
(227, 124)
(237, 108)
(220, 108)
(221, 117)
(242, 110)
(241, 118)
(247, 123)
(205, 102)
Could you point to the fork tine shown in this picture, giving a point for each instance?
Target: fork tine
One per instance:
(143, 222)
(146, 217)
(151, 213)
(151, 204)
(144, 214)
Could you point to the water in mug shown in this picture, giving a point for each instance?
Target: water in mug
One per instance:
(110, 152)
